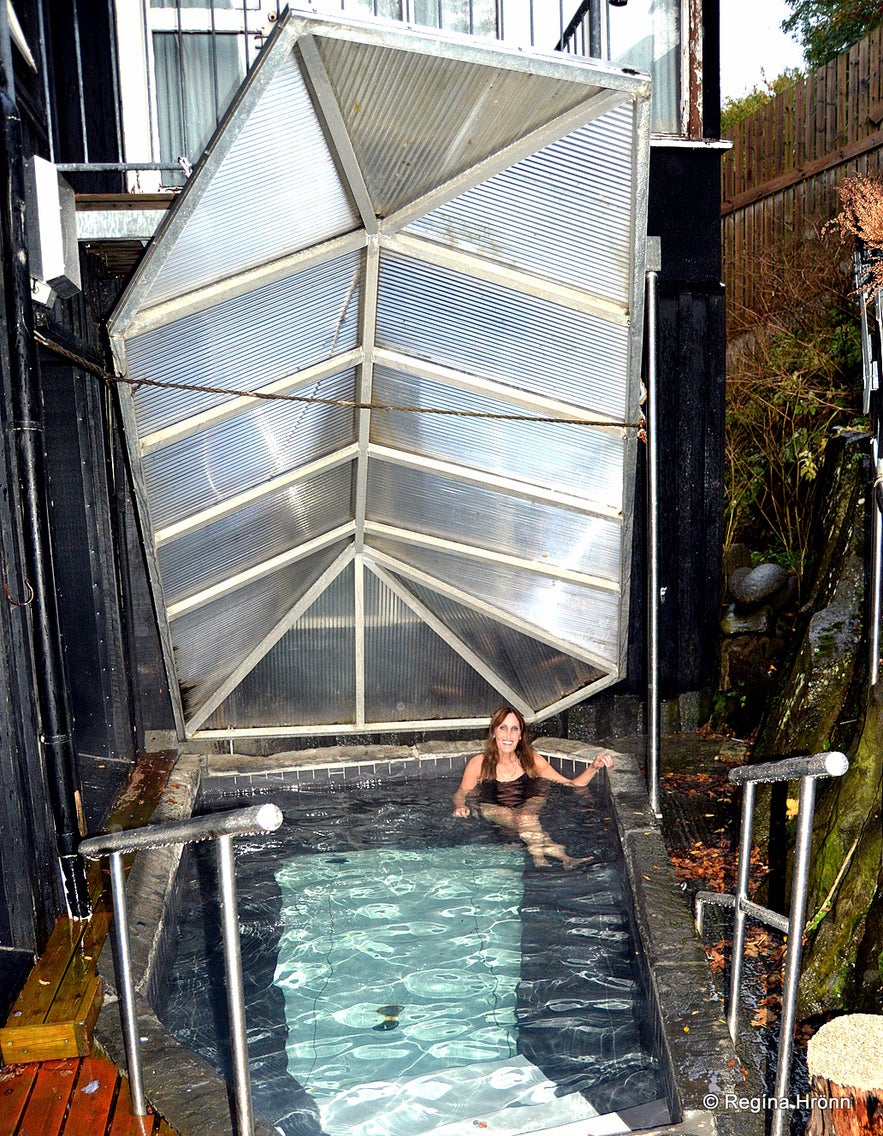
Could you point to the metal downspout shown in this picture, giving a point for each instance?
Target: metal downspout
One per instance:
(653, 593)
(60, 756)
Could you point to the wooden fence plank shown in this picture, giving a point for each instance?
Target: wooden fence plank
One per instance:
(781, 176)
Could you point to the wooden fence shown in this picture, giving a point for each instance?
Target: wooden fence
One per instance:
(780, 178)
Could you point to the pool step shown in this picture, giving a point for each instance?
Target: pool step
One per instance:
(503, 1098)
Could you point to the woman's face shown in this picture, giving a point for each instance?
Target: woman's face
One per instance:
(507, 735)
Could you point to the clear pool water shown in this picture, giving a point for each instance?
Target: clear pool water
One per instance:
(407, 972)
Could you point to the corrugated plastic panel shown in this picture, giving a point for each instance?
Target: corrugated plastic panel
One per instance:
(246, 342)
(295, 201)
(541, 673)
(499, 333)
(212, 641)
(578, 458)
(410, 673)
(308, 678)
(564, 213)
(273, 525)
(442, 507)
(405, 113)
(245, 451)
(586, 617)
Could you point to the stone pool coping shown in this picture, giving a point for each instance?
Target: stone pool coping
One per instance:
(691, 1030)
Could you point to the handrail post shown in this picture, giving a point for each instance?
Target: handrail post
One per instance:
(235, 992)
(808, 769)
(652, 548)
(745, 829)
(125, 984)
(794, 953)
(254, 820)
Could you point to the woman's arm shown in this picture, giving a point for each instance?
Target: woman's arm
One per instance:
(544, 769)
(471, 777)
(602, 761)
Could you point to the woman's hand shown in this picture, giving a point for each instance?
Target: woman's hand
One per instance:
(602, 761)
(461, 811)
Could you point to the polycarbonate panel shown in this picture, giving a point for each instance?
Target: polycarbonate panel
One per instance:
(454, 510)
(498, 333)
(580, 459)
(266, 441)
(308, 678)
(212, 641)
(246, 342)
(540, 673)
(405, 113)
(411, 675)
(586, 617)
(564, 213)
(296, 201)
(271, 526)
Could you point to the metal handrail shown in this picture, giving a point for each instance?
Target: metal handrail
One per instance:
(255, 820)
(807, 769)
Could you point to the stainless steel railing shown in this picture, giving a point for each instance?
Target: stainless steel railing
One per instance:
(808, 770)
(222, 827)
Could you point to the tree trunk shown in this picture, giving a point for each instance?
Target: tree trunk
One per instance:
(845, 1061)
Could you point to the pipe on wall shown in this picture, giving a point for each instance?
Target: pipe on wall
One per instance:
(59, 752)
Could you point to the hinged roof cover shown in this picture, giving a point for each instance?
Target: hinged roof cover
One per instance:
(387, 347)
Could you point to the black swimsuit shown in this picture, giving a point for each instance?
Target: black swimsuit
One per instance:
(510, 794)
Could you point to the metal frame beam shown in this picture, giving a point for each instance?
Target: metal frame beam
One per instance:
(511, 485)
(224, 508)
(596, 105)
(270, 640)
(503, 275)
(483, 608)
(258, 572)
(241, 404)
(210, 295)
(326, 104)
(492, 556)
(512, 696)
(538, 404)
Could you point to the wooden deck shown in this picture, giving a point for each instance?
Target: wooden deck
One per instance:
(55, 1078)
(83, 1096)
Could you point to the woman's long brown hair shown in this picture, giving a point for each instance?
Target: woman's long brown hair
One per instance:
(523, 751)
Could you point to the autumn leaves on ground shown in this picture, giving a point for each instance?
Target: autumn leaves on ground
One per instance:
(710, 804)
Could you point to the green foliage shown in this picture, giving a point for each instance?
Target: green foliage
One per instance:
(824, 28)
(794, 372)
(735, 111)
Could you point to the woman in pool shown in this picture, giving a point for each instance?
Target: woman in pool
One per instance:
(509, 778)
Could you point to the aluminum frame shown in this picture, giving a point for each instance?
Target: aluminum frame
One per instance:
(594, 89)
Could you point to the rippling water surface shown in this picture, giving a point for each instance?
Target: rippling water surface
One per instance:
(407, 971)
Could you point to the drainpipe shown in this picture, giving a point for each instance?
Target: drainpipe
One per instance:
(654, 257)
(26, 398)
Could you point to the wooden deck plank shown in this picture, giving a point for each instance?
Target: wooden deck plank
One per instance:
(93, 1097)
(81, 967)
(124, 1123)
(43, 982)
(16, 1083)
(49, 1100)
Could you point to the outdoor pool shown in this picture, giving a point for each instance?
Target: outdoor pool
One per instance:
(407, 972)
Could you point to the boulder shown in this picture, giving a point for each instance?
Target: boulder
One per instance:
(756, 587)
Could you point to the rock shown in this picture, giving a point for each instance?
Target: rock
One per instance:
(758, 585)
(754, 623)
(736, 577)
